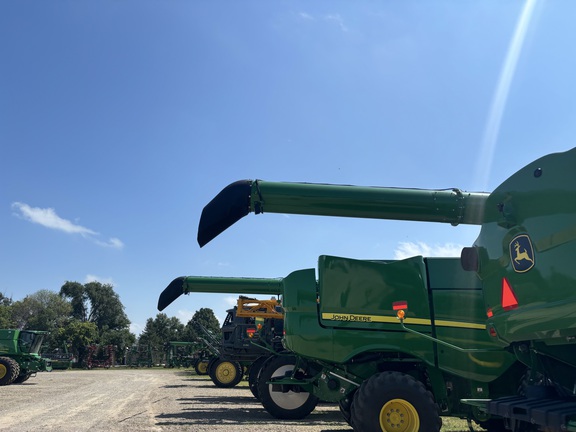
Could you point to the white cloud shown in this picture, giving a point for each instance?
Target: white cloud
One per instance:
(48, 218)
(93, 278)
(410, 249)
(337, 19)
(113, 243)
(305, 16)
(185, 315)
(230, 302)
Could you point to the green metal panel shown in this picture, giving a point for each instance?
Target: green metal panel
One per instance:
(529, 238)
(460, 320)
(356, 299)
(302, 331)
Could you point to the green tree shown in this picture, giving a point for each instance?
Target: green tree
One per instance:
(6, 312)
(158, 332)
(76, 335)
(203, 317)
(99, 304)
(43, 310)
(96, 302)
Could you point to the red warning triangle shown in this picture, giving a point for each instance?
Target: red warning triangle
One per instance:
(509, 300)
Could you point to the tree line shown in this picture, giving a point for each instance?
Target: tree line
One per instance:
(91, 314)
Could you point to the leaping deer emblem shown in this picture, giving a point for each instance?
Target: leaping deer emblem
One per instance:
(521, 255)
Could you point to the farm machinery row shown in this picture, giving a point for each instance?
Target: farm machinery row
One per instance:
(489, 336)
(251, 330)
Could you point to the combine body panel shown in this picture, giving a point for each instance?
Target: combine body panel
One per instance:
(503, 326)
(528, 238)
(345, 319)
(20, 355)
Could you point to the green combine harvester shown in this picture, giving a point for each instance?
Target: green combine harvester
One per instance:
(490, 336)
(20, 355)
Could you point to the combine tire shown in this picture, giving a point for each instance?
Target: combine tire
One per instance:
(22, 378)
(253, 374)
(286, 404)
(225, 374)
(9, 370)
(393, 401)
(345, 406)
(201, 367)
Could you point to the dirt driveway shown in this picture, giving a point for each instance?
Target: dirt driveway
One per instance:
(143, 400)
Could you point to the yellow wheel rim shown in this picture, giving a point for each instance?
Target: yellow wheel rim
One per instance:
(203, 367)
(399, 415)
(225, 372)
(3, 371)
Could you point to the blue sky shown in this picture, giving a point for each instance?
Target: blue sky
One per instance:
(120, 120)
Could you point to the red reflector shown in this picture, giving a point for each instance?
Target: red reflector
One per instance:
(489, 313)
(250, 330)
(403, 304)
(492, 332)
(509, 300)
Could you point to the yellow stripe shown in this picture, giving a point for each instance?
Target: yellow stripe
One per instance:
(359, 318)
(460, 324)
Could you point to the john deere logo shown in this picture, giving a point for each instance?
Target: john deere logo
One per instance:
(521, 253)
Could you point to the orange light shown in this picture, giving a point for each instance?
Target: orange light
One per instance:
(402, 304)
(400, 314)
(509, 300)
(489, 313)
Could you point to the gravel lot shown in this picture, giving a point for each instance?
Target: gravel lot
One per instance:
(140, 400)
(143, 400)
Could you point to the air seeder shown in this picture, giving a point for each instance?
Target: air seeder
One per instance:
(490, 336)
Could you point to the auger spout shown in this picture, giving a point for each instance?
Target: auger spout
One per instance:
(236, 200)
(206, 284)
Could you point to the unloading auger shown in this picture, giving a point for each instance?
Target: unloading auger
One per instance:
(240, 198)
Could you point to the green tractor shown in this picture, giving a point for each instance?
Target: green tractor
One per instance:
(20, 355)
(490, 337)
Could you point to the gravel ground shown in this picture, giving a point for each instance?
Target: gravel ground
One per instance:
(141, 400)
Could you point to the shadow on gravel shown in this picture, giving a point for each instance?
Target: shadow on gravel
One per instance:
(219, 400)
(240, 410)
(242, 416)
(197, 379)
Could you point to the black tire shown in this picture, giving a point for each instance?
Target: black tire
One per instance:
(345, 406)
(253, 374)
(201, 367)
(210, 365)
(225, 373)
(285, 405)
(21, 378)
(393, 401)
(9, 370)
